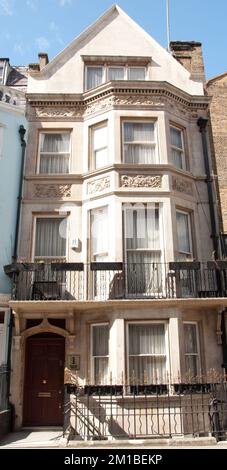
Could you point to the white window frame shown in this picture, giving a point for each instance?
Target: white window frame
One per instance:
(198, 354)
(166, 333)
(92, 362)
(93, 128)
(88, 66)
(189, 255)
(155, 143)
(106, 253)
(117, 67)
(137, 67)
(182, 151)
(2, 74)
(3, 337)
(54, 131)
(49, 258)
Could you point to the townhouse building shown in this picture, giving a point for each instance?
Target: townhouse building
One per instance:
(13, 82)
(116, 292)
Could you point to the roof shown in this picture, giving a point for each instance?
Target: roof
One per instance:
(18, 77)
(216, 78)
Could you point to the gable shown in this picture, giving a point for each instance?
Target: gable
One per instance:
(114, 34)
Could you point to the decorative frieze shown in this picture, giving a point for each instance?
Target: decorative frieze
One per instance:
(63, 112)
(141, 181)
(52, 190)
(98, 185)
(182, 186)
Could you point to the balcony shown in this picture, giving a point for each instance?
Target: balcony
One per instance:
(111, 281)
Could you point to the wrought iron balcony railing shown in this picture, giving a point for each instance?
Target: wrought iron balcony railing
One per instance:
(106, 280)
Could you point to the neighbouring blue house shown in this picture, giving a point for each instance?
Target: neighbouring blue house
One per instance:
(13, 84)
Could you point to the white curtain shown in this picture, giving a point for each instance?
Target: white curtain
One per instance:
(94, 77)
(100, 146)
(49, 242)
(54, 153)
(142, 227)
(116, 73)
(100, 353)
(99, 231)
(147, 353)
(191, 348)
(136, 73)
(139, 142)
(183, 233)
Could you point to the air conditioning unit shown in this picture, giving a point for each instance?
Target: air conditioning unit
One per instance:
(75, 242)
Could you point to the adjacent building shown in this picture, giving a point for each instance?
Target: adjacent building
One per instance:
(13, 81)
(116, 292)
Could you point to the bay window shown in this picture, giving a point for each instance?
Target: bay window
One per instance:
(191, 343)
(177, 147)
(116, 73)
(184, 235)
(147, 352)
(142, 248)
(54, 152)
(139, 146)
(100, 353)
(99, 146)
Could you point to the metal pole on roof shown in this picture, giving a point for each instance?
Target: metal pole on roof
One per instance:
(168, 25)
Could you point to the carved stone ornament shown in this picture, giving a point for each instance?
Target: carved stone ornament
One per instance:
(98, 185)
(44, 112)
(52, 190)
(141, 181)
(182, 186)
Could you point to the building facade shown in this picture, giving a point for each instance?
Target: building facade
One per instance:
(12, 116)
(116, 282)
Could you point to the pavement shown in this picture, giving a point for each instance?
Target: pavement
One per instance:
(54, 439)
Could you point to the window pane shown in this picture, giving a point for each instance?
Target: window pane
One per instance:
(136, 73)
(100, 148)
(177, 158)
(191, 365)
(116, 73)
(94, 77)
(176, 138)
(101, 340)
(190, 338)
(49, 239)
(183, 232)
(101, 370)
(147, 339)
(54, 153)
(99, 231)
(139, 143)
(147, 352)
(142, 227)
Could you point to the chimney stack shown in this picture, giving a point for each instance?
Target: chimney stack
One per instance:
(43, 59)
(189, 54)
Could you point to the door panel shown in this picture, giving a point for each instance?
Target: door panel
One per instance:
(44, 381)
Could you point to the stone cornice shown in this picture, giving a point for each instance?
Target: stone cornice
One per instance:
(117, 90)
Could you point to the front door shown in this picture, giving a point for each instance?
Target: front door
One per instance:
(44, 380)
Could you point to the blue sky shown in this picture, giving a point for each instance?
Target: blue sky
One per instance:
(32, 26)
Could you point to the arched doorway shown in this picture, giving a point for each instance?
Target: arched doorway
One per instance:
(44, 380)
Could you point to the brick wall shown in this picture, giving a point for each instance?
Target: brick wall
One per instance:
(217, 89)
(189, 54)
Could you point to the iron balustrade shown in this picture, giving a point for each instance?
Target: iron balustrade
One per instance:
(115, 280)
(4, 378)
(99, 412)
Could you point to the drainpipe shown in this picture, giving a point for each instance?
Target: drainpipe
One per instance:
(21, 131)
(202, 123)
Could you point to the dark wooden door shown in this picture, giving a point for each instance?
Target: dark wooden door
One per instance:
(44, 381)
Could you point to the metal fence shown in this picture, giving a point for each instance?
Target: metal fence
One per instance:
(106, 280)
(147, 411)
(4, 376)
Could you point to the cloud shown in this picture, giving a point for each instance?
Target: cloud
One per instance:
(53, 26)
(62, 3)
(42, 43)
(6, 7)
